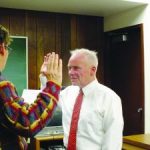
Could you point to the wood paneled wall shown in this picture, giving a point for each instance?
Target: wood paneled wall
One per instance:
(57, 32)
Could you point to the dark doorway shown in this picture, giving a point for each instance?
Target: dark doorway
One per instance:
(124, 73)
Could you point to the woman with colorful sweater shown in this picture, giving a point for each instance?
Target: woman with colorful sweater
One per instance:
(18, 119)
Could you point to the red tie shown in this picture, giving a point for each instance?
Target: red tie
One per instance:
(74, 122)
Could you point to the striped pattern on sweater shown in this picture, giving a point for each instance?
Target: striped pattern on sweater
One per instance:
(23, 118)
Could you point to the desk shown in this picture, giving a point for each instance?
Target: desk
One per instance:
(136, 142)
(51, 136)
(132, 142)
(36, 142)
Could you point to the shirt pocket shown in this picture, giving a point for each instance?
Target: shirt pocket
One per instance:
(91, 121)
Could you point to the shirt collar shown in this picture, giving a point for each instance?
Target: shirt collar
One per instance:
(87, 89)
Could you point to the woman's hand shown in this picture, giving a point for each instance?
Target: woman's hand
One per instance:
(52, 67)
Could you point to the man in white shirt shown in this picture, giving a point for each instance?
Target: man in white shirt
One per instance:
(100, 124)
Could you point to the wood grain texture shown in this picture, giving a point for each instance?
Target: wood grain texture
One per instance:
(57, 32)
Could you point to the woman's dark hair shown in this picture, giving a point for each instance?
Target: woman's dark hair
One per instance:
(4, 36)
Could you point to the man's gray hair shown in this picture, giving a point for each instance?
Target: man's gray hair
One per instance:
(91, 55)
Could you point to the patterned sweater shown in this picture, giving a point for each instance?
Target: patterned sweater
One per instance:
(18, 118)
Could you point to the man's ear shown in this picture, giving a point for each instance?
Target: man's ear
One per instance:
(93, 70)
(2, 49)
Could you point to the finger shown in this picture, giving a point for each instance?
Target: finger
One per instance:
(48, 54)
(45, 64)
(43, 67)
(60, 70)
(47, 57)
(60, 66)
(51, 61)
(55, 63)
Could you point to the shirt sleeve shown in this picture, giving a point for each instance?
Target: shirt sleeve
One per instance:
(23, 118)
(43, 81)
(113, 125)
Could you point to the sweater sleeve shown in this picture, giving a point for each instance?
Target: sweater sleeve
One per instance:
(25, 119)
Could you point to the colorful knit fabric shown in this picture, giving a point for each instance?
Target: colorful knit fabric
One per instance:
(24, 119)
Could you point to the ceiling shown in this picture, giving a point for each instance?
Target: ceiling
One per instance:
(83, 7)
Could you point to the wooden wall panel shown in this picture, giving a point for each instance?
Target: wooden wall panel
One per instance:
(31, 28)
(44, 28)
(17, 22)
(65, 46)
(100, 47)
(57, 32)
(4, 17)
(89, 34)
(73, 32)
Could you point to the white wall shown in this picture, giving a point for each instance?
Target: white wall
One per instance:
(131, 17)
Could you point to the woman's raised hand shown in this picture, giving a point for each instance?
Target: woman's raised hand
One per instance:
(52, 67)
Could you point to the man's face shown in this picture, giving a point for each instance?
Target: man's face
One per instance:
(79, 70)
(3, 56)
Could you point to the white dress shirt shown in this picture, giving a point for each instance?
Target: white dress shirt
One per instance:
(100, 125)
